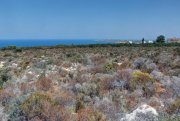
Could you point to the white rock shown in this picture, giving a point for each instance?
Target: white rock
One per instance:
(14, 65)
(70, 69)
(30, 72)
(2, 64)
(42, 56)
(3, 117)
(142, 113)
(119, 64)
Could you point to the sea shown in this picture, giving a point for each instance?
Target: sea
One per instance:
(33, 43)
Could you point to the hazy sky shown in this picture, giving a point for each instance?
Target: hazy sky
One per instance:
(89, 19)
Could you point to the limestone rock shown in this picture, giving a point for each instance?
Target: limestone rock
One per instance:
(142, 113)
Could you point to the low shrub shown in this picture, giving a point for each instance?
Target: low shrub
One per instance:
(7, 54)
(90, 89)
(159, 89)
(24, 64)
(140, 79)
(43, 83)
(105, 82)
(79, 103)
(124, 74)
(124, 65)
(6, 96)
(3, 77)
(35, 104)
(174, 107)
(62, 97)
(75, 57)
(41, 106)
(90, 114)
(109, 67)
(97, 59)
(18, 50)
(167, 117)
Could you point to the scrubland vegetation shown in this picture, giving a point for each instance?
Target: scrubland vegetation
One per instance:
(90, 83)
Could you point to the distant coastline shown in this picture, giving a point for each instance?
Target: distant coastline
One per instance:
(80, 43)
(34, 43)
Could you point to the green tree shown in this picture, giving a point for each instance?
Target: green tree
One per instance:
(160, 39)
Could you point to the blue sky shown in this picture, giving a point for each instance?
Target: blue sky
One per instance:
(89, 19)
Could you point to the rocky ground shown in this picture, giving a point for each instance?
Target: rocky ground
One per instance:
(90, 84)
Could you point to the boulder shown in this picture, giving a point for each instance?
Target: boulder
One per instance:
(142, 113)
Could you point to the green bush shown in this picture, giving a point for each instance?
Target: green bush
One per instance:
(140, 79)
(160, 39)
(18, 50)
(109, 66)
(3, 77)
(75, 57)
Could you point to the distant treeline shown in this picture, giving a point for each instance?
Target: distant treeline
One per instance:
(19, 49)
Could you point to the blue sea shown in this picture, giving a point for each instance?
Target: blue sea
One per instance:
(32, 43)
